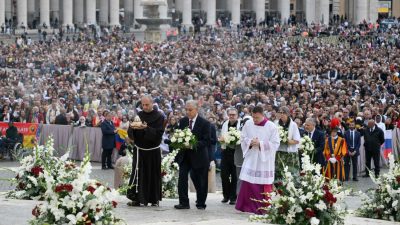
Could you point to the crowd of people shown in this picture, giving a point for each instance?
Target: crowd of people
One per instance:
(291, 72)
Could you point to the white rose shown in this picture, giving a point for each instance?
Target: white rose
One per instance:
(181, 134)
(180, 140)
(314, 221)
(187, 139)
(173, 139)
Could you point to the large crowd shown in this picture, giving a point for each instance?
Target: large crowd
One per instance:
(60, 80)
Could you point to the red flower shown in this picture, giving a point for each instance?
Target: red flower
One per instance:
(63, 187)
(68, 187)
(90, 189)
(98, 210)
(329, 198)
(325, 187)
(302, 174)
(280, 192)
(36, 171)
(36, 211)
(98, 184)
(278, 184)
(310, 213)
(163, 174)
(398, 179)
(114, 204)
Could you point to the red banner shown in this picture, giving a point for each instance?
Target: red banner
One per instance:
(28, 130)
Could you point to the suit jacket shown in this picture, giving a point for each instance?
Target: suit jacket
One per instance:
(107, 128)
(357, 141)
(319, 143)
(373, 140)
(198, 157)
(213, 142)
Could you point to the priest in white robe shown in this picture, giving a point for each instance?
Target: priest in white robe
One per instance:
(260, 141)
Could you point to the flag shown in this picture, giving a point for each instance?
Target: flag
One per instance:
(120, 138)
(388, 144)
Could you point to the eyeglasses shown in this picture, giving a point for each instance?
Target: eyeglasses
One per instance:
(231, 114)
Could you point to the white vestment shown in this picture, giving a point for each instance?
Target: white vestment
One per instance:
(259, 163)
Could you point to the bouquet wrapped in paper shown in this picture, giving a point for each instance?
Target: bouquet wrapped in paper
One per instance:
(230, 139)
(183, 139)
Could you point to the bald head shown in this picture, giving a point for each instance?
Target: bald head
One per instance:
(147, 103)
(371, 123)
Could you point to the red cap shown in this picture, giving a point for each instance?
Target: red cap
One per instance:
(335, 123)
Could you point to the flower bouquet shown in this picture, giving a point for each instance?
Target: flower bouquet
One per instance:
(230, 139)
(306, 199)
(307, 146)
(73, 198)
(169, 175)
(183, 139)
(384, 202)
(283, 135)
(30, 181)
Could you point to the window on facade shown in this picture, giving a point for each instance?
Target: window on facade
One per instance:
(291, 7)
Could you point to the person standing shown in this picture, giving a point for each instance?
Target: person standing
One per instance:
(318, 139)
(108, 141)
(260, 141)
(146, 164)
(228, 168)
(353, 140)
(335, 150)
(196, 161)
(373, 139)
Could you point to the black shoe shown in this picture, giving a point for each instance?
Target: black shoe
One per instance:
(134, 204)
(103, 168)
(155, 204)
(111, 167)
(232, 202)
(355, 179)
(225, 200)
(181, 206)
(201, 207)
(366, 175)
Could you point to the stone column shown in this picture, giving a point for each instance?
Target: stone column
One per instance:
(78, 12)
(31, 10)
(309, 6)
(128, 12)
(103, 17)
(91, 12)
(260, 10)
(284, 9)
(22, 13)
(114, 13)
(163, 10)
(187, 13)
(235, 10)
(68, 6)
(373, 11)
(179, 5)
(211, 12)
(2, 13)
(44, 13)
(324, 11)
(55, 9)
(8, 7)
(361, 11)
(137, 9)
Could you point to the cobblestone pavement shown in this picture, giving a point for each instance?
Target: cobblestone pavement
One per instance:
(216, 213)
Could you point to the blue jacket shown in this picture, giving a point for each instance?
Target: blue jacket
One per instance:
(107, 128)
(357, 141)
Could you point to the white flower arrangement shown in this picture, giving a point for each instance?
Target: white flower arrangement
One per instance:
(304, 199)
(73, 198)
(30, 181)
(230, 138)
(183, 139)
(384, 202)
(307, 146)
(283, 135)
(169, 175)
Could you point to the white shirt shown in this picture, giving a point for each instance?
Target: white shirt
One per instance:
(259, 162)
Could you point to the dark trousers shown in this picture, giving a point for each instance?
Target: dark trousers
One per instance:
(228, 175)
(200, 180)
(353, 160)
(106, 157)
(376, 156)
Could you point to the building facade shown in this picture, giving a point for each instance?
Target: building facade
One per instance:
(33, 14)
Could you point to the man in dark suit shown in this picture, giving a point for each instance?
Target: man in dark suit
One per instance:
(108, 142)
(196, 161)
(318, 138)
(373, 140)
(353, 140)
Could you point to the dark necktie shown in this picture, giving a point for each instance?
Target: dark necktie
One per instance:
(191, 124)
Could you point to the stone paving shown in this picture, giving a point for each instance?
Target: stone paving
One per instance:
(16, 212)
